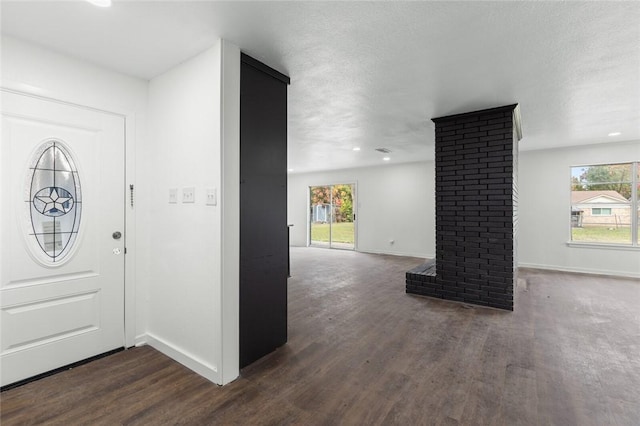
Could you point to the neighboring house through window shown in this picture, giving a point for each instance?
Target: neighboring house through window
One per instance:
(600, 211)
(604, 204)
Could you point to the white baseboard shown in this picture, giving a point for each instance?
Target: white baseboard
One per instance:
(579, 270)
(140, 340)
(209, 372)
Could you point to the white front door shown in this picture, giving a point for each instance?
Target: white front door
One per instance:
(62, 265)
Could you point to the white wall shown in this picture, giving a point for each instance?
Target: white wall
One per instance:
(182, 261)
(394, 202)
(42, 72)
(544, 211)
(184, 241)
(31, 69)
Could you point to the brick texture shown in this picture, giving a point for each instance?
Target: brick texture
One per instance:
(476, 210)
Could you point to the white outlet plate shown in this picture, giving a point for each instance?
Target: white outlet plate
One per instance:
(173, 195)
(212, 197)
(189, 194)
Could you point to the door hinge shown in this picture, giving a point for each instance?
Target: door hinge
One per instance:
(131, 190)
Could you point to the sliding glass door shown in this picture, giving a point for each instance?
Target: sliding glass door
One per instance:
(332, 216)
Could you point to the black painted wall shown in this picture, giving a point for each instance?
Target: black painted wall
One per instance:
(476, 210)
(263, 210)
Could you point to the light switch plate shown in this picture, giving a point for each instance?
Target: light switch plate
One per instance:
(189, 194)
(173, 195)
(212, 197)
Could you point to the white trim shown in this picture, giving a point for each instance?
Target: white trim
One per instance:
(635, 170)
(140, 340)
(229, 351)
(633, 204)
(602, 206)
(354, 201)
(602, 246)
(579, 270)
(614, 201)
(130, 232)
(208, 371)
(25, 90)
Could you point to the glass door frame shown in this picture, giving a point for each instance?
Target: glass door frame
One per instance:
(354, 196)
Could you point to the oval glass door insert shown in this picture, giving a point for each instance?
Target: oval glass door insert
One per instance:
(55, 202)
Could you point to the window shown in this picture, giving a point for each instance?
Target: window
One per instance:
(53, 203)
(600, 211)
(604, 204)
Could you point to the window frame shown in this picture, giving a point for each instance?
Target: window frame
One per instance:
(600, 214)
(634, 210)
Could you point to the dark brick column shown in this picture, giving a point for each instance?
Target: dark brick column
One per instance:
(476, 210)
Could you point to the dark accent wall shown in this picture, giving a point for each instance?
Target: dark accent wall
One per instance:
(263, 210)
(476, 210)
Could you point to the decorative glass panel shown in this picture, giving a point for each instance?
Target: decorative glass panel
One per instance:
(54, 201)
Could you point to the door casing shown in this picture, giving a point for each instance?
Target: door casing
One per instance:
(353, 183)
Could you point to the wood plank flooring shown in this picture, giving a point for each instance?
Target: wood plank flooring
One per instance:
(362, 352)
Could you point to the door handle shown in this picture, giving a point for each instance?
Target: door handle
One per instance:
(116, 235)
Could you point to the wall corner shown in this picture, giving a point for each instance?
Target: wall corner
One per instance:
(230, 212)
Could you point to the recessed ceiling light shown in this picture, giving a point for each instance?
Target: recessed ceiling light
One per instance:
(615, 134)
(356, 148)
(386, 158)
(100, 3)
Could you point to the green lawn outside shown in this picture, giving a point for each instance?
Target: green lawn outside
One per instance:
(601, 234)
(342, 232)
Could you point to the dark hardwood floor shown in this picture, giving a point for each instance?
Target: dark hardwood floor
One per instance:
(363, 352)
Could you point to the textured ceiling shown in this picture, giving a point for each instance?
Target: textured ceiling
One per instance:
(372, 74)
